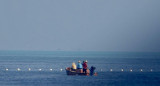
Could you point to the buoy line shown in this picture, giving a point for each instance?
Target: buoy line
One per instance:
(61, 69)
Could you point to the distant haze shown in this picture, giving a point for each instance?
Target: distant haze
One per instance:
(80, 25)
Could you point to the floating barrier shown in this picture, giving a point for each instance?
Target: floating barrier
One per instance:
(50, 69)
(29, 69)
(39, 69)
(141, 70)
(18, 69)
(61, 69)
(6, 69)
(111, 70)
(122, 70)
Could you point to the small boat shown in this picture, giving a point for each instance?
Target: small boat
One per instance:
(69, 71)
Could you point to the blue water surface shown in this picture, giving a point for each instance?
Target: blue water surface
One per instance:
(59, 60)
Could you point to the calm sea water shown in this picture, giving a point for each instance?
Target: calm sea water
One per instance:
(41, 63)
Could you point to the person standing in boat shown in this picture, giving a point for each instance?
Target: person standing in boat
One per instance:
(74, 67)
(79, 65)
(85, 66)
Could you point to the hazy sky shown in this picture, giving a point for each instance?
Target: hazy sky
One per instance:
(86, 25)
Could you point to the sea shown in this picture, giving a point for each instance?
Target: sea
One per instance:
(47, 68)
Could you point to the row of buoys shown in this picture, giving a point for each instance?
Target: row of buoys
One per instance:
(141, 70)
(29, 69)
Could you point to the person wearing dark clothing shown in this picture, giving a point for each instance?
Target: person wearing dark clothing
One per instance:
(85, 67)
(92, 70)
